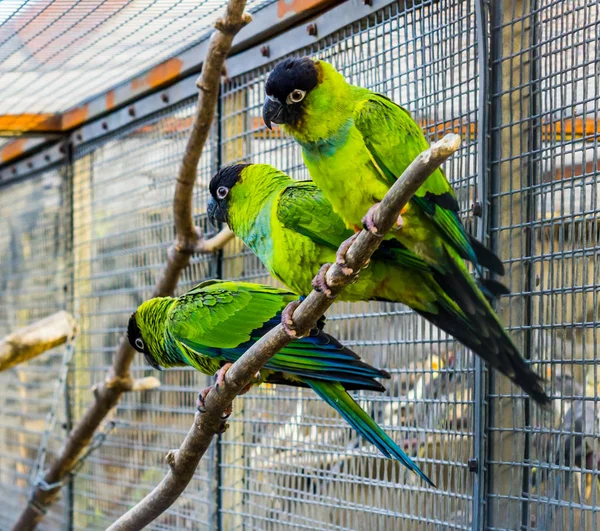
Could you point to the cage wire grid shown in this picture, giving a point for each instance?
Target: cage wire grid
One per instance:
(544, 468)
(34, 265)
(57, 53)
(287, 462)
(119, 250)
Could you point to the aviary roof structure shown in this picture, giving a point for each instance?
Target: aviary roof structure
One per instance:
(55, 54)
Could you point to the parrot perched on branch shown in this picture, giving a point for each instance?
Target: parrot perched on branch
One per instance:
(356, 143)
(212, 325)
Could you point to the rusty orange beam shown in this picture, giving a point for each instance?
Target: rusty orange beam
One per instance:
(16, 124)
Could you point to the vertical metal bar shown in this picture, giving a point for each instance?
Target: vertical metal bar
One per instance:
(495, 155)
(481, 17)
(531, 178)
(69, 284)
(216, 156)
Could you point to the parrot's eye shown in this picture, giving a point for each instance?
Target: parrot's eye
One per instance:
(222, 192)
(139, 343)
(296, 96)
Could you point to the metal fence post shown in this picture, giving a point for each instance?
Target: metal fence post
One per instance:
(217, 156)
(482, 21)
(69, 302)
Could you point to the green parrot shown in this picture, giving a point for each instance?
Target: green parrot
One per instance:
(213, 324)
(293, 229)
(355, 144)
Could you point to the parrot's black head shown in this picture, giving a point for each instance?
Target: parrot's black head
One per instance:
(134, 335)
(287, 86)
(220, 186)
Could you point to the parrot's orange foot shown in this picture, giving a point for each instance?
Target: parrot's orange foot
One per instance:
(246, 389)
(320, 281)
(287, 320)
(200, 405)
(340, 257)
(369, 222)
(220, 374)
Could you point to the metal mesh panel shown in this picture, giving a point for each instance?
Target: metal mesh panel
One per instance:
(123, 225)
(544, 467)
(289, 461)
(33, 247)
(56, 53)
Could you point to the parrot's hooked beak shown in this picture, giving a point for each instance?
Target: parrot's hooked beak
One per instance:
(215, 212)
(272, 111)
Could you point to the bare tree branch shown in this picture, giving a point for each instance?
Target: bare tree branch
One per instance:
(187, 242)
(35, 339)
(183, 462)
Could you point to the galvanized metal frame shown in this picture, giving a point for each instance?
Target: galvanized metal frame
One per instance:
(480, 390)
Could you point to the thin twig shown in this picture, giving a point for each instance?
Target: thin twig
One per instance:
(183, 462)
(35, 339)
(187, 242)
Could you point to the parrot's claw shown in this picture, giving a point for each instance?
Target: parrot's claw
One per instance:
(220, 374)
(220, 378)
(202, 407)
(287, 319)
(320, 281)
(340, 257)
(369, 222)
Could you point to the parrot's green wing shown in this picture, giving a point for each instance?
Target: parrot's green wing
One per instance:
(394, 140)
(303, 208)
(220, 319)
(220, 315)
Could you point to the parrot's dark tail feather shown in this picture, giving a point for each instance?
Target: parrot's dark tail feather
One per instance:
(483, 333)
(335, 395)
(497, 289)
(486, 257)
(492, 289)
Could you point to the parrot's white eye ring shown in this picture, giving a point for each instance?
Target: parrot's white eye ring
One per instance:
(139, 343)
(222, 192)
(296, 96)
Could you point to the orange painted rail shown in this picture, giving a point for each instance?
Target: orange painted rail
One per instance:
(15, 125)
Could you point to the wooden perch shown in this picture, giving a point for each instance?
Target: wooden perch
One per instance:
(187, 242)
(183, 462)
(35, 339)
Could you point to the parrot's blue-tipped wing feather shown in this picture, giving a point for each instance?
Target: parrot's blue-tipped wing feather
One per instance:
(337, 397)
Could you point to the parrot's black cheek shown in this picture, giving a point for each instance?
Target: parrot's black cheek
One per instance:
(133, 331)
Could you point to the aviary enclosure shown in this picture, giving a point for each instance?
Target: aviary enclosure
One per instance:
(100, 97)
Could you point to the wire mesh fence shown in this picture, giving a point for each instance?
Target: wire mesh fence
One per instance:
(119, 248)
(543, 469)
(519, 81)
(34, 263)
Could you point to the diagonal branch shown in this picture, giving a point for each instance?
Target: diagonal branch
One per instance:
(183, 462)
(187, 242)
